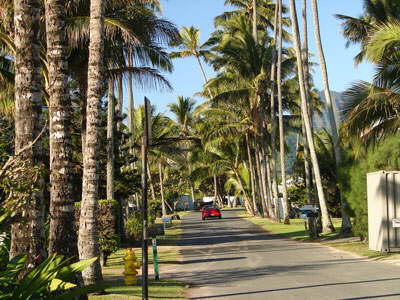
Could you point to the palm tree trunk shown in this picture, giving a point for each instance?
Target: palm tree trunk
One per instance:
(346, 224)
(327, 225)
(273, 113)
(62, 235)
(163, 208)
(27, 233)
(255, 21)
(88, 240)
(247, 202)
(261, 184)
(131, 107)
(215, 188)
(307, 167)
(110, 140)
(252, 176)
(153, 191)
(120, 102)
(203, 73)
(280, 113)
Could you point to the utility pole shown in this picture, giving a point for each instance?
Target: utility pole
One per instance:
(145, 144)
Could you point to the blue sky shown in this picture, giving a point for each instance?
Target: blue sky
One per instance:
(186, 78)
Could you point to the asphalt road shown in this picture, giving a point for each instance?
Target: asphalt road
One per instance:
(234, 259)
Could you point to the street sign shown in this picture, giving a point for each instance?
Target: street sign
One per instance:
(396, 223)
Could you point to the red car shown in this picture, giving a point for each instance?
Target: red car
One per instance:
(210, 211)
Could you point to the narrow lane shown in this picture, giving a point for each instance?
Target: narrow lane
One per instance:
(234, 259)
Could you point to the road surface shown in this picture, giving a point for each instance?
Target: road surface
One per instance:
(234, 259)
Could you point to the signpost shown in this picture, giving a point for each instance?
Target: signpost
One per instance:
(145, 145)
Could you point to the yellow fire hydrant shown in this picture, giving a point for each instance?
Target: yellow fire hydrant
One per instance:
(131, 266)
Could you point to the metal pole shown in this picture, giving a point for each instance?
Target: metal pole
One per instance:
(145, 267)
(155, 260)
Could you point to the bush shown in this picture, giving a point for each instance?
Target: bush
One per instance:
(385, 156)
(49, 280)
(109, 239)
(133, 225)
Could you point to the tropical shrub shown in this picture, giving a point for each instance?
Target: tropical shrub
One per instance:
(52, 279)
(385, 156)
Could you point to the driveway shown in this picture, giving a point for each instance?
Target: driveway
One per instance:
(234, 259)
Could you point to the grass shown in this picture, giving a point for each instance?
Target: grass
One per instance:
(296, 231)
(361, 248)
(168, 254)
(163, 289)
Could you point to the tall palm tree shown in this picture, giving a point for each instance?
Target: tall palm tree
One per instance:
(110, 140)
(376, 13)
(191, 47)
(307, 166)
(280, 113)
(327, 225)
(62, 235)
(273, 113)
(346, 223)
(88, 241)
(27, 233)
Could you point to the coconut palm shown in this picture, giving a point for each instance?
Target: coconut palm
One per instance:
(62, 235)
(88, 239)
(358, 30)
(346, 223)
(27, 233)
(280, 113)
(190, 47)
(327, 225)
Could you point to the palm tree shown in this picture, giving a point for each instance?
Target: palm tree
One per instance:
(110, 140)
(62, 235)
(376, 13)
(280, 113)
(190, 46)
(88, 240)
(273, 114)
(327, 225)
(183, 111)
(346, 223)
(27, 235)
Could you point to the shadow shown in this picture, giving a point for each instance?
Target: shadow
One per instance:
(307, 287)
(209, 260)
(371, 297)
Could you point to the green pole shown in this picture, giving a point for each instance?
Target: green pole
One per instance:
(155, 260)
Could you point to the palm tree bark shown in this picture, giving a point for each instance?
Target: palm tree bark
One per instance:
(252, 176)
(160, 171)
(273, 114)
(327, 225)
(307, 167)
(62, 235)
(346, 224)
(131, 107)
(110, 140)
(88, 240)
(247, 202)
(153, 191)
(27, 233)
(255, 21)
(280, 114)
(261, 184)
(120, 101)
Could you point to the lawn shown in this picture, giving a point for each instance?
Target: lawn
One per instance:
(296, 231)
(168, 253)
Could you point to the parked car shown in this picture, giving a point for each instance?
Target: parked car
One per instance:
(210, 211)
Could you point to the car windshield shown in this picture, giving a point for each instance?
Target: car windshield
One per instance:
(212, 207)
